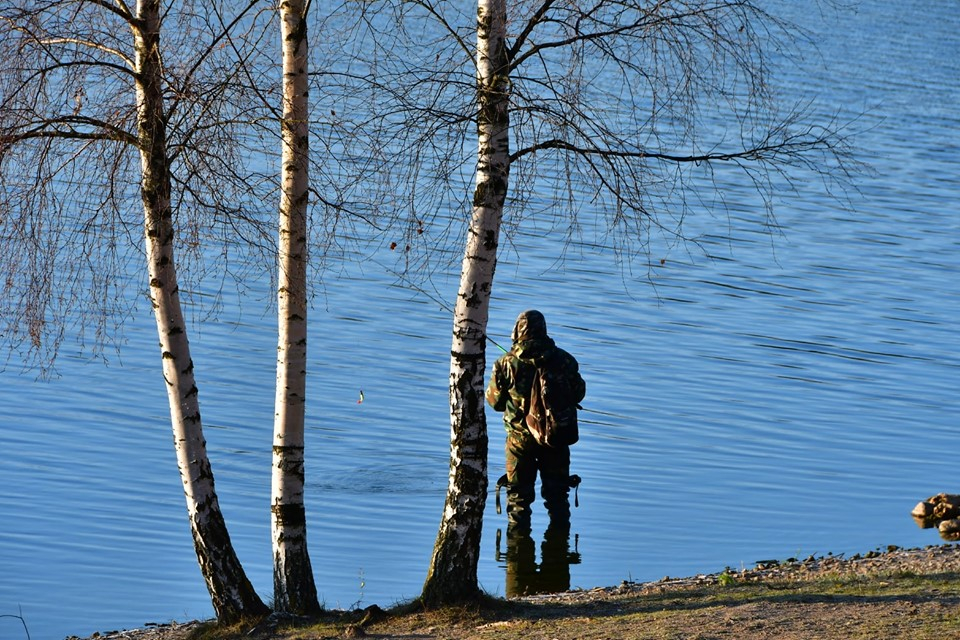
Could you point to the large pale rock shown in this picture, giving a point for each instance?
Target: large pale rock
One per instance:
(938, 509)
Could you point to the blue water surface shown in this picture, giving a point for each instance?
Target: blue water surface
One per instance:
(773, 395)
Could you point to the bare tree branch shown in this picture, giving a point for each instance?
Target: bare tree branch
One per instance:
(51, 128)
(118, 7)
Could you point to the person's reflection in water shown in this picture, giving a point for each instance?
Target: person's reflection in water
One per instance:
(524, 575)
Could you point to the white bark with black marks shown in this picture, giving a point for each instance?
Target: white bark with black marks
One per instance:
(231, 593)
(294, 589)
(452, 576)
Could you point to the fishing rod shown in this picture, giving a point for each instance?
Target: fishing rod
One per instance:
(413, 285)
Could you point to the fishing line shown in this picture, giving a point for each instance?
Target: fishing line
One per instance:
(413, 285)
(434, 298)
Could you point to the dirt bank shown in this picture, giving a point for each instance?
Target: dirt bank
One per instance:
(897, 593)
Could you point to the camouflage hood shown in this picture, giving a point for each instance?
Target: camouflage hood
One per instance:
(530, 339)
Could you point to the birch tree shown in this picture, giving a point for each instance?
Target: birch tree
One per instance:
(85, 94)
(452, 574)
(294, 588)
(628, 105)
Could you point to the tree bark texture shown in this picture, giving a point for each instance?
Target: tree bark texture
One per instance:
(452, 576)
(231, 593)
(294, 589)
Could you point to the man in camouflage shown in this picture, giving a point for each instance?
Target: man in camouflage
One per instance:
(509, 392)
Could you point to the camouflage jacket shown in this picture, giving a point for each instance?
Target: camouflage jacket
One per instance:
(509, 388)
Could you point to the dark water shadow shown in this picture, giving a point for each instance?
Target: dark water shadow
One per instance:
(525, 576)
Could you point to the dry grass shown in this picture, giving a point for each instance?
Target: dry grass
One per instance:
(899, 594)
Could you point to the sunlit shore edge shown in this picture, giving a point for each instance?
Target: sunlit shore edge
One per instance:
(889, 561)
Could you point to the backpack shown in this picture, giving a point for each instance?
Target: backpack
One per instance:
(552, 413)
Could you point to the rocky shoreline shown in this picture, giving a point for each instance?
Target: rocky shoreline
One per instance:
(931, 560)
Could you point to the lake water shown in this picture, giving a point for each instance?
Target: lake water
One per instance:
(786, 396)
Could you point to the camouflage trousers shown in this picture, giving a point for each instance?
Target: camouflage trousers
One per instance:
(524, 460)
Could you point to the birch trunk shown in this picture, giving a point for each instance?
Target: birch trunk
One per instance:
(294, 589)
(232, 594)
(452, 576)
